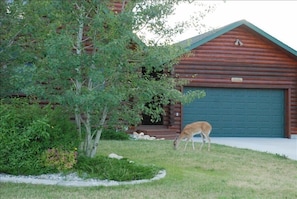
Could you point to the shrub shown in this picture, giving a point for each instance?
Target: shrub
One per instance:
(102, 167)
(27, 130)
(111, 134)
(59, 159)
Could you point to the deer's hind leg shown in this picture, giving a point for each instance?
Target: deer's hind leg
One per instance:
(208, 138)
(202, 141)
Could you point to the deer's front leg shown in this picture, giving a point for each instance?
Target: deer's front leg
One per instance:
(187, 141)
(193, 143)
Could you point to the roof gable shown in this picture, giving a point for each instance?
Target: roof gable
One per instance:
(199, 40)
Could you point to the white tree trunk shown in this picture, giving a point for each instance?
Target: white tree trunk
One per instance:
(98, 132)
(91, 140)
(88, 136)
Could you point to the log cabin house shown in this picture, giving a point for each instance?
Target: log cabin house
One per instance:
(250, 79)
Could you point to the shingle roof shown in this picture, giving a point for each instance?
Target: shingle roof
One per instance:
(194, 42)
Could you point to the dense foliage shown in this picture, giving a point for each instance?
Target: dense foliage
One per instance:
(113, 134)
(27, 131)
(37, 140)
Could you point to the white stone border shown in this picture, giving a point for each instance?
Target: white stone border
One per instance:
(73, 180)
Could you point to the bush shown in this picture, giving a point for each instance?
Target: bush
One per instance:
(27, 131)
(111, 134)
(102, 167)
(59, 159)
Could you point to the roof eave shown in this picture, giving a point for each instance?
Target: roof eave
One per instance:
(271, 38)
(214, 35)
(233, 26)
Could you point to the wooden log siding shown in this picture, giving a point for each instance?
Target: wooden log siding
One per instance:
(118, 5)
(259, 62)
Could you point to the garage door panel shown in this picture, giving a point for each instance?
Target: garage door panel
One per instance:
(239, 112)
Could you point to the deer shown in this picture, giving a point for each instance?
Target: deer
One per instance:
(201, 127)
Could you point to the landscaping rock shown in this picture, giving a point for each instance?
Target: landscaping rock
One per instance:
(142, 136)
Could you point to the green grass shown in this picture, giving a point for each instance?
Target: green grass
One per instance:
(224, 172)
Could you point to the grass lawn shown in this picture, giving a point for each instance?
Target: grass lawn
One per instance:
(224, 172)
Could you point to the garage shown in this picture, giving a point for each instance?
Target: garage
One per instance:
(250, 80)
(239, 112)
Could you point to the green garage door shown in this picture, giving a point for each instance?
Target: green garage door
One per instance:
(239, 112)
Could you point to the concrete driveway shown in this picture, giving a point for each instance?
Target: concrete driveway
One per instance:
(280, 146)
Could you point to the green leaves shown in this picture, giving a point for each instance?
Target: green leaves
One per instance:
(191, 95)
(27, 130)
